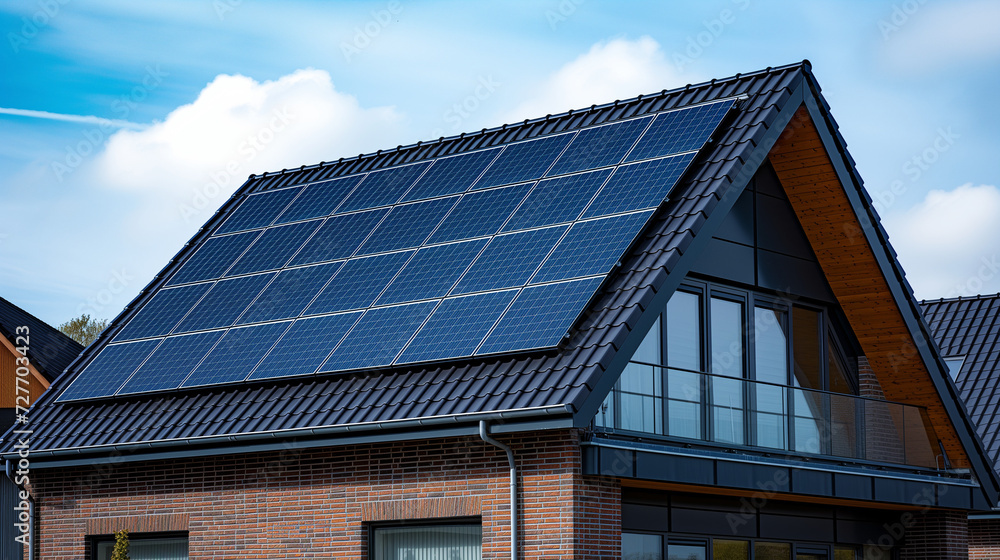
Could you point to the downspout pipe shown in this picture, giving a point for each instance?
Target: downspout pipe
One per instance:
(484, 434)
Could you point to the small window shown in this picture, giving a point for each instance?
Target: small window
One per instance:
(954, 364)
(428, 542)
(145, 547)
(639, 546)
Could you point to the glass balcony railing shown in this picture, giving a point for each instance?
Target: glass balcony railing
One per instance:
(677, 403)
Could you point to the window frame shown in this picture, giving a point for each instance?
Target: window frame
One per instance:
(372, 526)
(93, 541)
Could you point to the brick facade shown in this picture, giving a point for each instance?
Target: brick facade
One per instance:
(315, 502)
(984, 539)
(936, 535)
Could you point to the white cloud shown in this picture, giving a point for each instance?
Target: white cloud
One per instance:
(616, 69)
(936, 36)
(239, 126)
(949, 244)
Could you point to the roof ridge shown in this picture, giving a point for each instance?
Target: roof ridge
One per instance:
(977, 297)
(804, 64)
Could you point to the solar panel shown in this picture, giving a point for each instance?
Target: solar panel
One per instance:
(600, 146)
(289, 293)
(213, 258)
(425, 275)
(558, 200)
(273, 248)
(106, 373)
(358, 283)
(319, 199)
(451, 175)
(378, 337)
(638, 186)
(171, 362)
(235, 356)
(162, 312)
(523, 161)
(224, 303)
(540, 316)
(407, 226)
(380, 188)
(509, 260)
(258, 210)
(591, 247)
(480, 213)
(339, 237)
(305, 346)
(431, 272)
(457, 327)
(680, 131)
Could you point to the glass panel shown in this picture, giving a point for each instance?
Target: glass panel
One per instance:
(844, 553)
(727, 360)
(839, 381)
(148, 549)
(730, 550)
(771, 361)
(441, 542)
(844, 414)
(641, 387)
(954, 365)
(636, 546)
(686, 552)
(727, 338)
(772, 551)
(808, 407)
(684, 400)
(684, 331)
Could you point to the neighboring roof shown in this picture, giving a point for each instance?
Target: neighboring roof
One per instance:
(969, 327)
(542, 389)
(51, 350)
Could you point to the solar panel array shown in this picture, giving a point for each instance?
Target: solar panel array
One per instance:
(486, 252)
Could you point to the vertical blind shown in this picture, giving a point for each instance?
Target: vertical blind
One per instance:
(435, 542)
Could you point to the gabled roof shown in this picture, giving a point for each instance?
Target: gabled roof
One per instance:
(561, 387)
(51, 350)
(969, 327)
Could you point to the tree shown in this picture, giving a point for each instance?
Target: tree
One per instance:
(120, 551)
(83, 329)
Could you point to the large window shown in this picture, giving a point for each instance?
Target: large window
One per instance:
(427, 542)
(654, 546)
(739, 367)
(145, 547)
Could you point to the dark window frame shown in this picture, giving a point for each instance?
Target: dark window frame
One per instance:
(94, 540)
(372, 526)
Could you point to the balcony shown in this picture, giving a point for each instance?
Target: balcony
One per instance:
(672, 403)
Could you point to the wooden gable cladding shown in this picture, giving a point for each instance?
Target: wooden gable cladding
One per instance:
(37, 384)
(852, 270)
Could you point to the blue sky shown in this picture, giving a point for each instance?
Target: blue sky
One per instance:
(203, 93)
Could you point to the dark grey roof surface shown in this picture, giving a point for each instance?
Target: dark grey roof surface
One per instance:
(560, 380)
(970, 327)
(50, 350)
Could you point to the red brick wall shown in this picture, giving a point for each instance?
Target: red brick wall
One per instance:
(984, 539)
(315, 502)
(936, 535)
